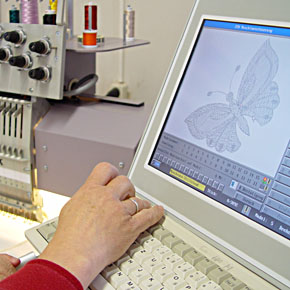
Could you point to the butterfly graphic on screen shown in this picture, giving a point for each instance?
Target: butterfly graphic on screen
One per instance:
(256, 99)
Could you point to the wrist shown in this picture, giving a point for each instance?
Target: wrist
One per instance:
(83, 268)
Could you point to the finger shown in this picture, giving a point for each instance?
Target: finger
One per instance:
(147, 217)
(103, 173)
(14, 261)
(130, 206)
(122, 187)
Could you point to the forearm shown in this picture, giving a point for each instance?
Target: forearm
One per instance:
(41, 272)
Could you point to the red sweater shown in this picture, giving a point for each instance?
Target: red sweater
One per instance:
(41, 274)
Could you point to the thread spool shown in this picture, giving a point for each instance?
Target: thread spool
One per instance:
(90, 38)
(49, 18)
(14, 15)
(29, 11)
(53, 5)
(129, 24)
(91, 12)
(91, 26)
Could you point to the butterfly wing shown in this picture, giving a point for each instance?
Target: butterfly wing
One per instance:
(225, 137)
(262, 108)
(257, 98)
(258, 93)
(215, 123)
(243, 125)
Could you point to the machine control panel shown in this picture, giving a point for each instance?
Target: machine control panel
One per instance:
(32, 59)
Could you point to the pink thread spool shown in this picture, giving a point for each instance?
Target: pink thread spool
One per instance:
(29, 11)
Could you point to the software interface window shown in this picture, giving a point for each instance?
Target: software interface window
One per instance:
(227, 132)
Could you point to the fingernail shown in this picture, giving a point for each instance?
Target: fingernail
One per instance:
(15, 261)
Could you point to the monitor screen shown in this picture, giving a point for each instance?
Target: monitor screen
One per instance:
(227, 133)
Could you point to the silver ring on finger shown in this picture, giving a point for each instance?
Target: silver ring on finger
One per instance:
(136, 204)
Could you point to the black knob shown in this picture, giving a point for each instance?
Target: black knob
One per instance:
(37, 74)
(38, 47)
(12, 36)
(19, 61)
(3, 54)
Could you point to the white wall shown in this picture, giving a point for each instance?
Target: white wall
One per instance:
(159, 21)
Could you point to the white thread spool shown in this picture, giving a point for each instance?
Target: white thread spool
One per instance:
(129, 18)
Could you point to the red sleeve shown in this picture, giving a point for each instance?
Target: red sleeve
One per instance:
(41, 272)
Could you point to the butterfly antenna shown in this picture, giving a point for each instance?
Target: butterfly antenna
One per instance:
(216, 92)
(236, 70)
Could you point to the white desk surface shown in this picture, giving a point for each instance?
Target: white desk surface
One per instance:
(12, 228)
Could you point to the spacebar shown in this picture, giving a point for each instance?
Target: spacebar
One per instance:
(100, 283)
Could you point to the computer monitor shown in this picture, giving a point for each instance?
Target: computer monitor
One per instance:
(216, 151)
(226, 133)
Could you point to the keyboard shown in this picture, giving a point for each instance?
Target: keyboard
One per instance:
(167, 256)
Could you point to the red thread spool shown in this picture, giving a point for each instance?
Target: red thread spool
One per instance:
(91, 12)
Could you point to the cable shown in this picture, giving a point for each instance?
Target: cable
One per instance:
(82, 85)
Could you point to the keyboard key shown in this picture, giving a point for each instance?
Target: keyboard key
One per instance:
(144, 237)
(205, 266)
(183, 270)
(196, 279)
(118, 278)
(47, 231)
(152, 264)
(109, 271)
(174, 283)
(173, 261)
(218, 275)
(181, 249)
(220, 261)
(135, 247)
(210, 285)
(193, 257)
(150, 284)
(152, 244)
(171, 240)
(128, 286)
(232, 283)
(161, 233)
(162, 252)
(187, 287)
(141, 256)
(139, 275)
(121, 260)
(163, 274)
(154, 228)
(101, 283)
(55, 223)
(129, 266)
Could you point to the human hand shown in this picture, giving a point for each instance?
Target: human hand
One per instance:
(7, 265)
(99, 224)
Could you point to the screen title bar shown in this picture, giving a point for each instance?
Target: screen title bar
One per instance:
(269, 30)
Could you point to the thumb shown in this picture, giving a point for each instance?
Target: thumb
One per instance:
(14, 261)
